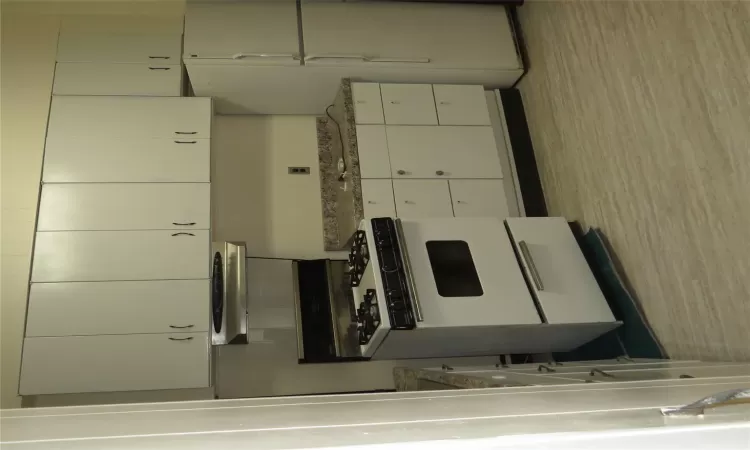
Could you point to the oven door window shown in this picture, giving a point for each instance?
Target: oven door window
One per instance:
(453, 268)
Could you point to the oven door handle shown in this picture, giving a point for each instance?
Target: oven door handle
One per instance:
(406, 264)
(297, 311)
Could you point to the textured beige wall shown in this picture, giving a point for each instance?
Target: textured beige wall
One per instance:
(27, 61)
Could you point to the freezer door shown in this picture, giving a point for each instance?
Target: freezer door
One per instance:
(559, 276)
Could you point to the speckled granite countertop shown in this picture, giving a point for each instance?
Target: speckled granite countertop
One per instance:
(410, 379)
(341, 196)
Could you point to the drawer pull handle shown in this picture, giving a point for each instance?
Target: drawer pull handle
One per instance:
(183, 327)
(394, 102)
(159, 57)
(401, 172)
(545, 368)
(370, 202)
(600, 372)
(182, 233)
(439, 173)
(185, 132)
(159, 68)
(461, 202)
(185, 142)
(445, 103)
(187, 224)
(408, 202)
(190, 338)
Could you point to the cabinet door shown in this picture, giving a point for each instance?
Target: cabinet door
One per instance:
(377, 198)
(372, 147)
(253, 33)
(120, 255)
(559, 275)
(408, 35)
(117, 79)
(72, 364)
(479, 198)
(126, 206)
(368, 106)
(119, 48)
(461, 105)
(422, 198)
(118, 307)
(110, 117)
(72, 159)
(443, 152)
(408, 104)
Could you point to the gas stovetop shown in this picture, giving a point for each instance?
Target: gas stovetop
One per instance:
(359, 256)
(368, 317)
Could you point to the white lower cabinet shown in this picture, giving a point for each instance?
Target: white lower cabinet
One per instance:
(118, 307)
(120, 255)
(125, 206)
(59, 365)
(118, 79)
(479, 198)
(377, 198)
(422, 198)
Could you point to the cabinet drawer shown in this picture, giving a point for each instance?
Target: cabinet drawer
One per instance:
(106, 117)
(118, 307)
(117, 79)
(443, 152)
(60, 365)
(461, 105)
(372, 148)
(479, 198)
(422, 198)
(408, 104)
(119, 48)
(120, 255)
(71, 159)
(126, 206)
(377, 197)
(368, 107)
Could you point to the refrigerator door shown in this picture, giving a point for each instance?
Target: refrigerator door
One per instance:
(560, 278)
(228, 294)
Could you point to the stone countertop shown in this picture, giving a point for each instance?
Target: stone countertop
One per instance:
(410, 379)
(341, 194)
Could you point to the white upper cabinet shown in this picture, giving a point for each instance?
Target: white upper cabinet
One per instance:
(409, 35)
(479, 198)
(558, 273)
(120, 255)
(443, 152)
(408, 104)
(112, 118)
(156, 79)
(461, 105)
(372, 147)
(244, 33)
(119, 48)
(125, 206)
(368, 106)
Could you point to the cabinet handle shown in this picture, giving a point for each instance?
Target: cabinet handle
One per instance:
(159, 68)
(370, 202)
(190, 338)
(187, 224)
(180, 328)
(185, 132)
(725, 398)
(293, 56)
(444, 103)
(461, 202)
(401, 172)
(600, 372)
(335, 56)
(532, 267)
(408, 202)
(185, 142)
(159, 57)
(182, 233)
(394, 102)
(439, 173)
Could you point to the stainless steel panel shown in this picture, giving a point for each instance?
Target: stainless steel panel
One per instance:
(297, 312)
(234, 316)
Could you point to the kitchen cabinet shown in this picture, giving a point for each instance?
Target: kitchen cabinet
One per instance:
(479, 198)
(120, 255)
(377, 198)
(71, 364)
(372, 148)
(461, 105)
(408, 104)
(368, 105)
(560, 278)
(118, 307)
(125, 206)
(80, 78)
(422, 198)
(81, 159)
(120, 48)
(443, 152)
(74, 118)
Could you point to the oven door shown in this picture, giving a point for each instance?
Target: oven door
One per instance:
(464, 272)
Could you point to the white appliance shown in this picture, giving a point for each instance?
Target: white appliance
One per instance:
(470, 287)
